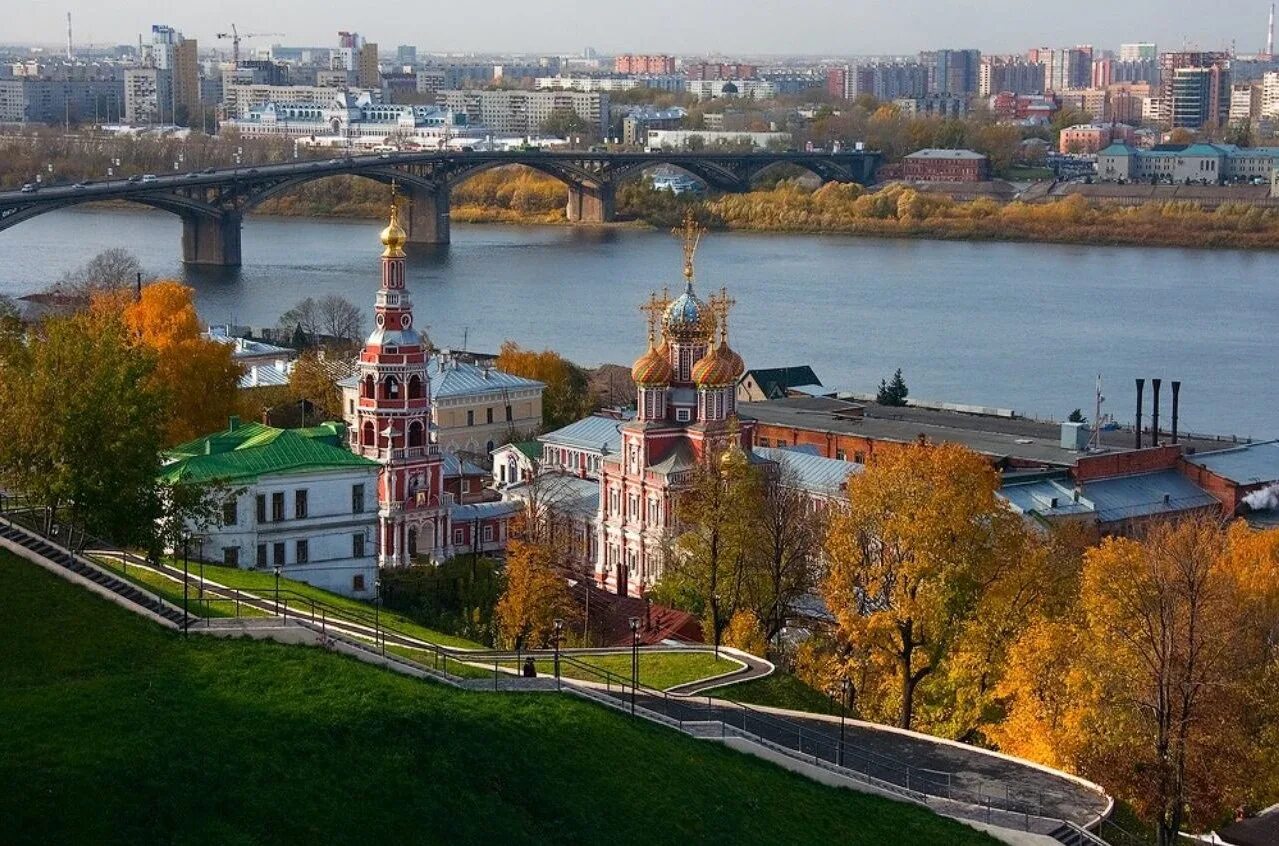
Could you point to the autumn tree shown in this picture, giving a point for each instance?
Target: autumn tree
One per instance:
(1154, 682)
(790, 531)
(115, 269)
(83, 419)
(566, 397)
(535, 594)
(311, 381)
(197, 374)
(910, 558)
(708, 571)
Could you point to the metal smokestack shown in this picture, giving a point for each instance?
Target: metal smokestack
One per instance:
(1176, 391)
(1272, 21)
(1154, 413)
(1141, 385)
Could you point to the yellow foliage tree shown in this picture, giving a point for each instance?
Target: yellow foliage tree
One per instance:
(912, 558)
(198, 376)
(535, 595)
(744, 633)
(566, 397)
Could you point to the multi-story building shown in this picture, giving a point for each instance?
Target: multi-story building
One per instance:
(685, 139)
(366, 67)
(946, 166)
(1170, 63)
(578, 82)
(1200, 97)
(148, 96)
(954, 72)
(747, 89)
(524, 112)
(934, 105)
(295, 501)
(1066, 67)
(720, 70)
(353, 118)
(837, 82)
(655, 65)
(1032, 108)
(406, 55)
(1093, 101)
(1090, 138)
(1270, 95)
(1136, 70)
(1137, 51)
(186, 80)
(239, 100)
(1186, 163)
(1245, 102)
(36, 99)
(639, 120)
(1013, 74)
(887, 81)
(1126, 102)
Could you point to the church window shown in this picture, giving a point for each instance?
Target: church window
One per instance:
(415, 387)
(458, 537)
(415, 433)
(470, 417)
(303, 551)
(277, 506)
(488, 533)
(357, 499)
(231, 556)
(299, 504)
(392, 387)
(681, 415)
(229, 512)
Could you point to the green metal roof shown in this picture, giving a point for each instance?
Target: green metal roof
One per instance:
(533, 449)
(246, 451)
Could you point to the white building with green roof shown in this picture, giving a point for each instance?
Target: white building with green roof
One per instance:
(297, 500)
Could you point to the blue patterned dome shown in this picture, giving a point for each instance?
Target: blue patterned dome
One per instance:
(689, 318)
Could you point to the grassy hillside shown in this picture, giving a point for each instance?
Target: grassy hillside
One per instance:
(116, 731)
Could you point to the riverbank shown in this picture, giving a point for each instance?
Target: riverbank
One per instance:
(892, 211)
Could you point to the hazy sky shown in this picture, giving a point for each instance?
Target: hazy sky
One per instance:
(835, 27)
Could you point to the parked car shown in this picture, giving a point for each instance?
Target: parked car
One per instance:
(29, 188)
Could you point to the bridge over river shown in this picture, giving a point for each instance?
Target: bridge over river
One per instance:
(212, 203)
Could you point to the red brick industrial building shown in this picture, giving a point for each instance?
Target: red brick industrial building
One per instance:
(946, 166)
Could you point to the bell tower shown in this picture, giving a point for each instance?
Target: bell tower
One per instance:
(394, 416)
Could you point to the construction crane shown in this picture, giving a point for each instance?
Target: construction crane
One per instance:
(235, 37)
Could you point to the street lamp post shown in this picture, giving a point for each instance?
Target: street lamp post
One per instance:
(634, 659)
(377, 617)
(186, 542)
(277, 590)
(200, 558)
(559, 633)
(846, 688)
(715, 622)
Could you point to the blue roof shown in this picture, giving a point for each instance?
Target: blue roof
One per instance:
(1245, 465)
(453, 378)
(595, 433)
(1163, 492)
(1038, 496)
(816, 473)
(483, 511)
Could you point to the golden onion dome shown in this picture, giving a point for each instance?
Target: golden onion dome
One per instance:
(718, 368)
(394, 237)
(689, 318)
(652, 369)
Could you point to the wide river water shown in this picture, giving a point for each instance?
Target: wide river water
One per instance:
(1021, 326)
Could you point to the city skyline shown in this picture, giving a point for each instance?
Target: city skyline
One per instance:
(800, 27)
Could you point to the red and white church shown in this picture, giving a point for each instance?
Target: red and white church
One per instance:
(391, 423)
(686, 412)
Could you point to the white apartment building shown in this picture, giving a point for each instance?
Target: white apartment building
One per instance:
(240, 99)
(746, 89)
(148, 96)
(295, 502)
(1270, 94)
(683, 139)
(524, 112)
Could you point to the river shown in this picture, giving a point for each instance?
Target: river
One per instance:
(1021, 326)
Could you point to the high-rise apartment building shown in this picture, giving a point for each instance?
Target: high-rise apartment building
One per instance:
(1170, 63)
(1270, 95)
(406, 54)
(366, 69)
(1066, 67)
(1245, 102)
(1009, 73)
(148, 96)
(647, 65)
(954, 72)
(186, 81)
(720, 70)
(523, 112)
(1137, 51)
(889, 80)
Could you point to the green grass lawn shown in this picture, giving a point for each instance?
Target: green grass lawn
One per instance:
(262, 582)
(657, 670)
(168, 589)
(780, 690)
(117, 731)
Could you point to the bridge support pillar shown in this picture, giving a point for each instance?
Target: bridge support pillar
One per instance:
(211, 240)
(428, 215)
(590, 203)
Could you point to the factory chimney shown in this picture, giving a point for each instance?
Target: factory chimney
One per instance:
(1272, 13)
(1176, 391)
(1270, 34)
(1141, 384)
(1154, 414)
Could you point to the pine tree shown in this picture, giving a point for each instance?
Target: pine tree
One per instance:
(893, 392)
